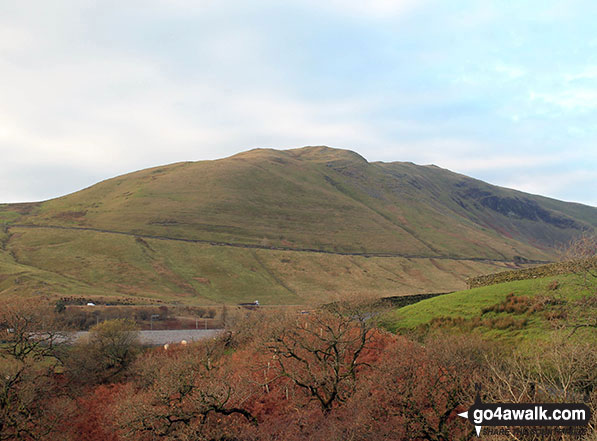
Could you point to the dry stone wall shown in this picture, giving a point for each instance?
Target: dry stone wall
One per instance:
(552, 269)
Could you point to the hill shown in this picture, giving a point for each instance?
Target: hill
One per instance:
(292, 226)
(522, 311)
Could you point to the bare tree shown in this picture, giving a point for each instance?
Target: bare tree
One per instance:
(586, 316)
(178, 391)
(581, 252)
(30, 350)
(557, 371)
(321, 353)
(425, 386)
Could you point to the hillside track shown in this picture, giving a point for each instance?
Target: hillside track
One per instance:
(265, 247)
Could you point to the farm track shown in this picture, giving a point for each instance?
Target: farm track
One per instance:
(263, 247)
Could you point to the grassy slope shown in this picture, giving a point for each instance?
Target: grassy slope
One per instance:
(88, 262)
(316, 198)
(308, 198)
(469, 304)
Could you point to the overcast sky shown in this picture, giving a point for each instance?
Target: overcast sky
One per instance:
(504, 91)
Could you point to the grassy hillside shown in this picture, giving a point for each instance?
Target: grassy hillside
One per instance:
(287, 227)
(319, 198)
(48, 262)
(517, 311)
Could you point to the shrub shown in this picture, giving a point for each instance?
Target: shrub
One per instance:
(111, 347)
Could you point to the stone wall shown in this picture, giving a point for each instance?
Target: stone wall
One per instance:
(405, 300)
(552, 269)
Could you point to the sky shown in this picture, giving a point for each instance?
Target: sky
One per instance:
(503, 91)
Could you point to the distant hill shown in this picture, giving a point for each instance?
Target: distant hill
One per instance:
(291, 226)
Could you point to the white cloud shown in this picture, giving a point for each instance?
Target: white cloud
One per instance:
(509, 71)
(571, 100)
(116, 114)
(91, 89)
(499, 162)
(556, 183)
(588, 73)
(371, 8)
(14, 39)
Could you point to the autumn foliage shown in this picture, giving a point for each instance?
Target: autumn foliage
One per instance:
(328, 375)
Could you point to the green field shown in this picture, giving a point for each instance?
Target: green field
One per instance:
(522, 310)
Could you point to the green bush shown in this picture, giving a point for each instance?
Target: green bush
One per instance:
(110, 348)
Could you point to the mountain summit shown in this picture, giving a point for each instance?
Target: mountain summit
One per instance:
(306, 200)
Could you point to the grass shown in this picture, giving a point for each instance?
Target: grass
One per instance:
(522, 310)
(318, 198)
(55, 263)
(305, 198)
